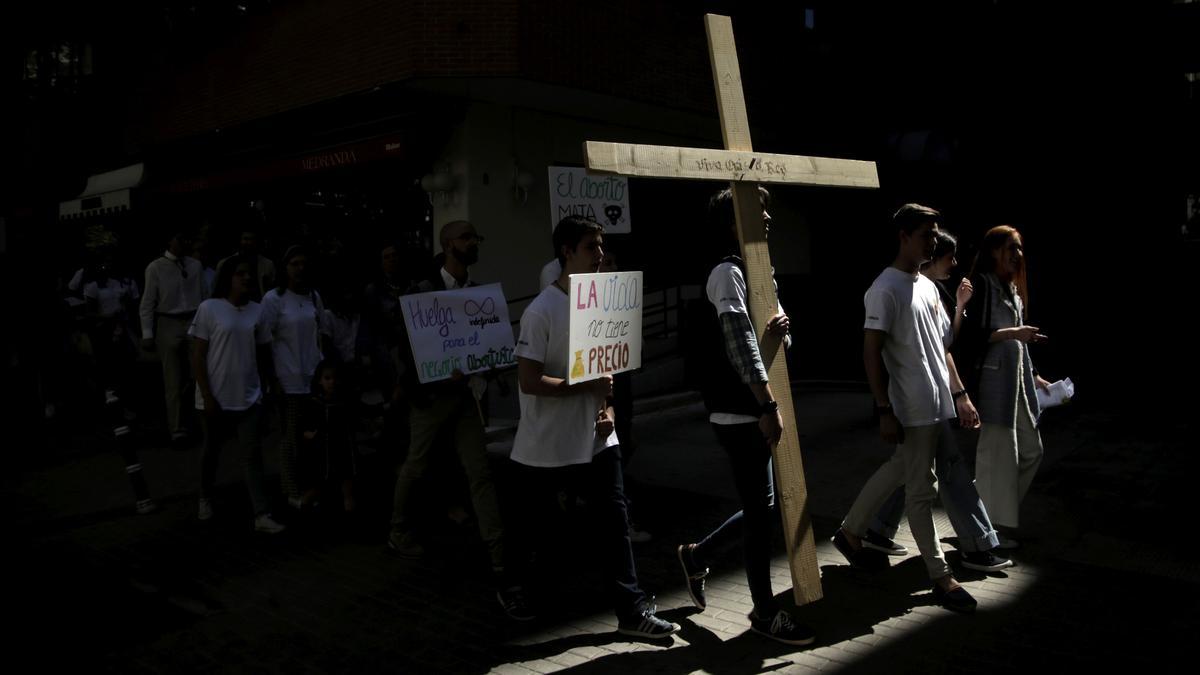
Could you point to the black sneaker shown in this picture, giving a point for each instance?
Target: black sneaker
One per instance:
(406, 545)
(513, 602)
(693, 576)
(878, 542)
(782, 628)
(985, 561)
(843, 545)
(645, 624)
(958, 600)
(861, 558)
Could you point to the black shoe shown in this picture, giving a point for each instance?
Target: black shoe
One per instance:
(860, 558)
(958, 600)
(406, 546)
(783, 628)
(693, 575)
(645, 624)
(513, 602)
(878, 542)
(985, 561)
(843, 545)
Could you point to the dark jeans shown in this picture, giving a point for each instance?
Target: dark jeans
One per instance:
(750, 460)
(245, 425)
(601, 486)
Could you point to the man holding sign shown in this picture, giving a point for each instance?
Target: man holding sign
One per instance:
(448, 406)
(566, 432)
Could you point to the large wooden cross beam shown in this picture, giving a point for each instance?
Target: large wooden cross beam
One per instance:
(744, 169)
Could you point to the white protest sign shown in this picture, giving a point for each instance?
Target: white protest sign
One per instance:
(466, 329)
(606, 324)
(604, 199)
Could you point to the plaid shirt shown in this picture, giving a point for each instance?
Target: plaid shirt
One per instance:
(741, 346)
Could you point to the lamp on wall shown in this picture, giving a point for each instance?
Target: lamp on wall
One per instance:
(441, 182)
(522, 181)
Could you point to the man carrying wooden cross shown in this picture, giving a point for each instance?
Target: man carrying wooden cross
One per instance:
(742, 167)
(745, 417)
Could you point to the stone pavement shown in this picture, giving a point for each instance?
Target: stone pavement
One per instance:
(1105, 578)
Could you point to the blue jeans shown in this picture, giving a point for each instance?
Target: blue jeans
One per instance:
(959, 497)
(750, 460)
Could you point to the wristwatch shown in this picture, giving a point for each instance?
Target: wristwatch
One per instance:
(770, 407)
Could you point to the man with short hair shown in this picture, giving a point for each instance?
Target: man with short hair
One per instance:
(566, 434)
(174, 289)
(746, 420)
(449, 407)
(908, 332)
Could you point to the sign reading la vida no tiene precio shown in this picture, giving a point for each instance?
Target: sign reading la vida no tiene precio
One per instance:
(465, 329)
(606, 324)
(604, 199)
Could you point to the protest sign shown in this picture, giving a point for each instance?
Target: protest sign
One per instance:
(606, 324)
(465, 329)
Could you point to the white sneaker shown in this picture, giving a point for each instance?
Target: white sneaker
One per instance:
(267, 525)
(205, 511)
(147, 506)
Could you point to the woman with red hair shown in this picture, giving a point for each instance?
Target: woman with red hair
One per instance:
(996, 332)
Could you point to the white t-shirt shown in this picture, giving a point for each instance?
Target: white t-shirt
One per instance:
(110, 296)
(233, 333)
(554, 430)
(296, 322)
(726, 290)
(907, 307)
(550, 273)
(343, 333)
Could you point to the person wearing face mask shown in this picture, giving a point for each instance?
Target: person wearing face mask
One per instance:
(1010, 446)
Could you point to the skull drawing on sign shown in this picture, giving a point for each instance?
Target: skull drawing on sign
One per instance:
(613, 213)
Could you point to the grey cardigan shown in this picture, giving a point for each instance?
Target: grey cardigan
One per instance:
(1005, 363)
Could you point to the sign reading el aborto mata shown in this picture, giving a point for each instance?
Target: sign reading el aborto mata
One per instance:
(606, 324)
(604, 199)
(465, 329)
(744, 167)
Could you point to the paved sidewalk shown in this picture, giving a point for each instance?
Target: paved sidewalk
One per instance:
(1101, 581)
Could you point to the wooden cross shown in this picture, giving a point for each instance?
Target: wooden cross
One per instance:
(744, 168)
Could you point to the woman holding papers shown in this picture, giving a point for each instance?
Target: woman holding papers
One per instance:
(1010, 446)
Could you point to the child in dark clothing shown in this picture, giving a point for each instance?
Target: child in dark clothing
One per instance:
(330, 418)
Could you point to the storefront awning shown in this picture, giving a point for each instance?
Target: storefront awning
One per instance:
(106, 193)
